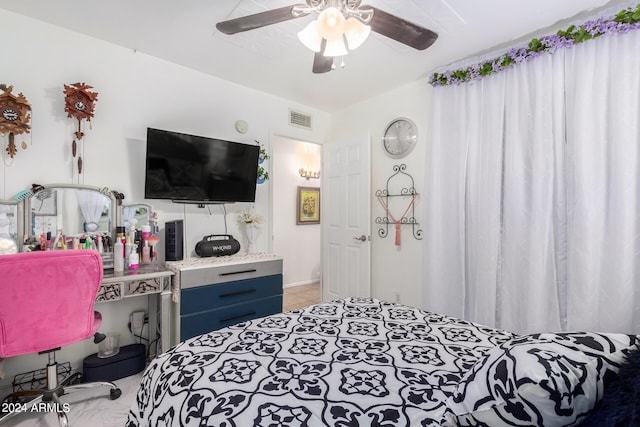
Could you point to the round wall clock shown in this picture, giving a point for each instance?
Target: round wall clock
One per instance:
(400, 136)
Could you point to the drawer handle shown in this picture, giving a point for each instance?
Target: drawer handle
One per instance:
(233, 294)
(227, 319)
(231, 273)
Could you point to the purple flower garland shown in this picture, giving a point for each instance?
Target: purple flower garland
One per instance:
(625, 21)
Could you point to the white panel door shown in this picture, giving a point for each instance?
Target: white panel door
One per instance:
(346, 218)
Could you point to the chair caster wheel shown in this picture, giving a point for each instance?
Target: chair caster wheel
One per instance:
(115, 393)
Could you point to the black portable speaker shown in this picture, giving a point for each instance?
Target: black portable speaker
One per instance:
(217, 245)
(173, 250)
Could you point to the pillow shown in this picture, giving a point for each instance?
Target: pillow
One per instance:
(537, 380)
(611, 348)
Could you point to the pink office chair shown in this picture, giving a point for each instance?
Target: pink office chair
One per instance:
(46, 301)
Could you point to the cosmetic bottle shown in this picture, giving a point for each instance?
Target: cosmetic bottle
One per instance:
(120, 236)
(128, 248)
(134, 259)
(146, 253)
(146, 231)
(118, 256)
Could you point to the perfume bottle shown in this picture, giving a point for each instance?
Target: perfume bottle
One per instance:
(134, 258)
(146, 253)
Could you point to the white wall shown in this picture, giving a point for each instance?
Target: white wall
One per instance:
(396, 272)
(135, 91)
(299, 245)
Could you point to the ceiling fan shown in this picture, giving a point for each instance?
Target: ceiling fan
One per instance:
(338, 21)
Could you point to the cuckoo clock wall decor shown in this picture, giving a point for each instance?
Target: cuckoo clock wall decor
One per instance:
(80, 103)
(15, 114)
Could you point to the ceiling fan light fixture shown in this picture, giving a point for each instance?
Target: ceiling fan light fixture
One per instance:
(330, 24)
(335, 48)
(355, 32)
(310, 37)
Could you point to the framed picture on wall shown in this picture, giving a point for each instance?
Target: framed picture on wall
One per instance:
(308, 206)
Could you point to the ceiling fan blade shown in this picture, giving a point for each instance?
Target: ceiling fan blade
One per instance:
(257, 20)
(321, 63)
(401, 30)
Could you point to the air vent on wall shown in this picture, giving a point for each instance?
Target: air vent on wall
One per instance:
(296, 118)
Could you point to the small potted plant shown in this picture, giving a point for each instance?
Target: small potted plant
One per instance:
(262, 156)
(250, 217)
(263, 175)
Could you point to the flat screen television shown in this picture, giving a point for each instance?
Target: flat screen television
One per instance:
(189, 168)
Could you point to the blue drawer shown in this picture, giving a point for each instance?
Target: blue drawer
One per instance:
(193, 300)
(209, 320)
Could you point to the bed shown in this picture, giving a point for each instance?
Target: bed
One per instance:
(366, 362)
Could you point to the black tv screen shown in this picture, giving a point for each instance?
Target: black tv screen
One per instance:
(193, 168)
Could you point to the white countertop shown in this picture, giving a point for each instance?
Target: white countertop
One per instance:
(239, 258)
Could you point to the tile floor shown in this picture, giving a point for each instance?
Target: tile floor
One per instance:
(301, 296)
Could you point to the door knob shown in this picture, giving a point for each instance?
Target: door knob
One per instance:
(362, 238)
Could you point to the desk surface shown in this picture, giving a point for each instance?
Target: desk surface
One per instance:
(145, 271)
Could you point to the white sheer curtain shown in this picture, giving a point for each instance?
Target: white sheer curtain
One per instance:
(91, 204)
(129, 217)
(604, 194)
(532, 184)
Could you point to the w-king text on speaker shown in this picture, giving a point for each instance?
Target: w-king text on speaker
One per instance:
(217, 245)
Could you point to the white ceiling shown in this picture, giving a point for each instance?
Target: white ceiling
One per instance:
(271, 59)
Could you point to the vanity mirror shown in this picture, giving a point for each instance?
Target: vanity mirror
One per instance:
(137, 214)
(74, 209)
(11, 226)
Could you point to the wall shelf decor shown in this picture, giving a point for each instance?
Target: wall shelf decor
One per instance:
(398, 196)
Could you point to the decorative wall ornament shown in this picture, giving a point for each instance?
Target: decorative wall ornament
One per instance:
(263, 174)
(400, 187)
(15, 114)
(80, 103)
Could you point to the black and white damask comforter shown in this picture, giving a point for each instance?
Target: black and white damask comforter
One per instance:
(351, 362)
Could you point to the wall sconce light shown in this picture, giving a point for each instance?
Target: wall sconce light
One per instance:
(307, 173)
